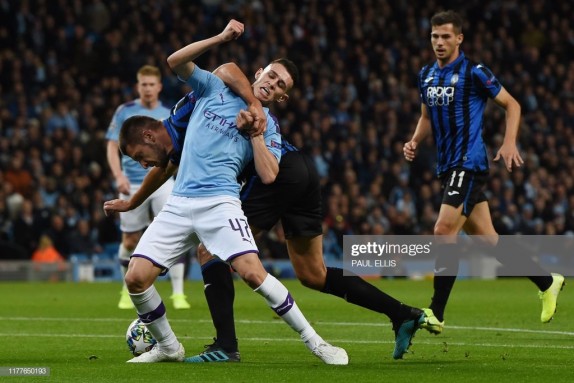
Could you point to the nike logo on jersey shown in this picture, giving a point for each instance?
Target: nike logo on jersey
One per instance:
(428, 79)
(206, 286)
(453, 192)
(440, 270)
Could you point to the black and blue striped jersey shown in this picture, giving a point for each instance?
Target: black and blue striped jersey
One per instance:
(455, 97)
(176, 124)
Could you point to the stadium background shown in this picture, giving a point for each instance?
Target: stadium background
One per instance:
(66, 65)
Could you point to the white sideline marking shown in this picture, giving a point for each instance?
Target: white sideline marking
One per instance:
(366, 324)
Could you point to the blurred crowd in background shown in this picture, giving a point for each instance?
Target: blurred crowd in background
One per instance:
(66, 65)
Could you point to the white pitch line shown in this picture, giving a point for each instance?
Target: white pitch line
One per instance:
(271, 322)
(295, 339)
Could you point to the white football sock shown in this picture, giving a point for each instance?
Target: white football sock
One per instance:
(176, 275)
(150, 307)
(278, 298)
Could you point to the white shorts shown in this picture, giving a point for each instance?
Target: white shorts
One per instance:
(139, 218)
(218, 222)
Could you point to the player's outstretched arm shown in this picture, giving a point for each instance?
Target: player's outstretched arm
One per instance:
(508, 151)
(181, 61)
(153, 180)
(236, 80)
(422, 131)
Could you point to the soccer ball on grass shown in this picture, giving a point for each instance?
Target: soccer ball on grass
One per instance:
(138, 338)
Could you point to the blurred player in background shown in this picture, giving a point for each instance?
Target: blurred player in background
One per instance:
(129, 175)
(454, 92)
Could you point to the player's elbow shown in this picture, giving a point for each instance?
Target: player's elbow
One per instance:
(172, 61)
(268, 177)
(268, 172)
(181, 69)
(517, 107)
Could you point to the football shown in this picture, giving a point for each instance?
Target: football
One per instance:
(138, 338)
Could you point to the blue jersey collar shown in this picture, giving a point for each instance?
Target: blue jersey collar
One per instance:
(458, 59)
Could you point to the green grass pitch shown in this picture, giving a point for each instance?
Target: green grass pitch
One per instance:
(493, 334)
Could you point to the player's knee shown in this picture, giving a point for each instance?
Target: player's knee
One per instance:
(313, 281)
(203, 256)
(253, 277)
(444, 228)
(136, 282)
(250, 269)
(487, 241)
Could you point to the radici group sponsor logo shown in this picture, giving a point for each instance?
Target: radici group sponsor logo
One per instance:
(440, 95)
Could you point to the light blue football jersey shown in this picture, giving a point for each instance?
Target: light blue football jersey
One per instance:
(214, 150)
(134, 172)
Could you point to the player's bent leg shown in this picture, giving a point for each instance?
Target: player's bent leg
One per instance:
(306, 255)
(141, 274)
(250, 269)
(176, 272)
(307, 259)
(449, 223)
(549, 285)
(151, 310)
(280, 300)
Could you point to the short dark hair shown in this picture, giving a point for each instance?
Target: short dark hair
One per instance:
(130, 132)
(291, 68)
(448, 17)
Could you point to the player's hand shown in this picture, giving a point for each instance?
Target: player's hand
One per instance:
(259, 119)
(509, 154)
(245, 121)
(116, 206)
(232, 31)
(123, 184)
(409, 150)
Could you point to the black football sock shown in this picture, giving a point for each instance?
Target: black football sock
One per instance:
(220, 294)
(542, 281)
(355, 290)
(524, 263)
(445, 271)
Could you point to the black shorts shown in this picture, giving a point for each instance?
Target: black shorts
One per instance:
(294, 198)
(463, 187)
